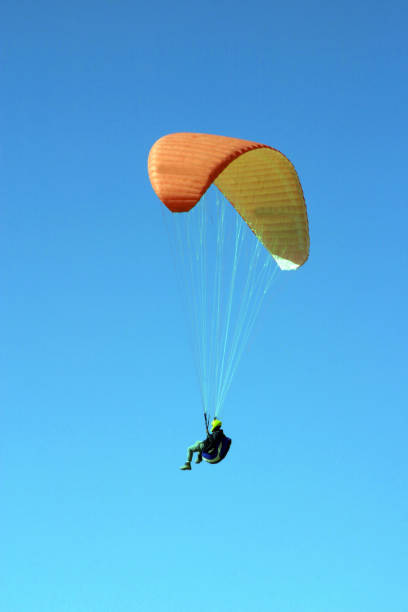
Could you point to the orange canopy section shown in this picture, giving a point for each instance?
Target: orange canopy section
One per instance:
(259, 181)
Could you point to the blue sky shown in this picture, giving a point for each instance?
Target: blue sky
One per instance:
(98, 392)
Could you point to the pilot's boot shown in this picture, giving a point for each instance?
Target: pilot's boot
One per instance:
(186, 466)
(199, 459)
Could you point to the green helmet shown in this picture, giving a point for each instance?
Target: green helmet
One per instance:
(216, 424)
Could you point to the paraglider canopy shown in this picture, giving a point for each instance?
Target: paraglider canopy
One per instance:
(259, 181)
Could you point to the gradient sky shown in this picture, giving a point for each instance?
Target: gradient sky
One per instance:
(98, 396)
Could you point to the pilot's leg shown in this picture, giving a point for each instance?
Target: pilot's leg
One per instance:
(194, 448)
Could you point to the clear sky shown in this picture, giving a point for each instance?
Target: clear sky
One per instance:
(98, 396)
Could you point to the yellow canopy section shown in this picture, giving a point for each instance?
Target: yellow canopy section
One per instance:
(264, 188)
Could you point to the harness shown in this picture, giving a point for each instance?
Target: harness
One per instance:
(222, 449)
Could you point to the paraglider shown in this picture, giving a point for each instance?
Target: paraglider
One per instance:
(213, 449)
(230, 259)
